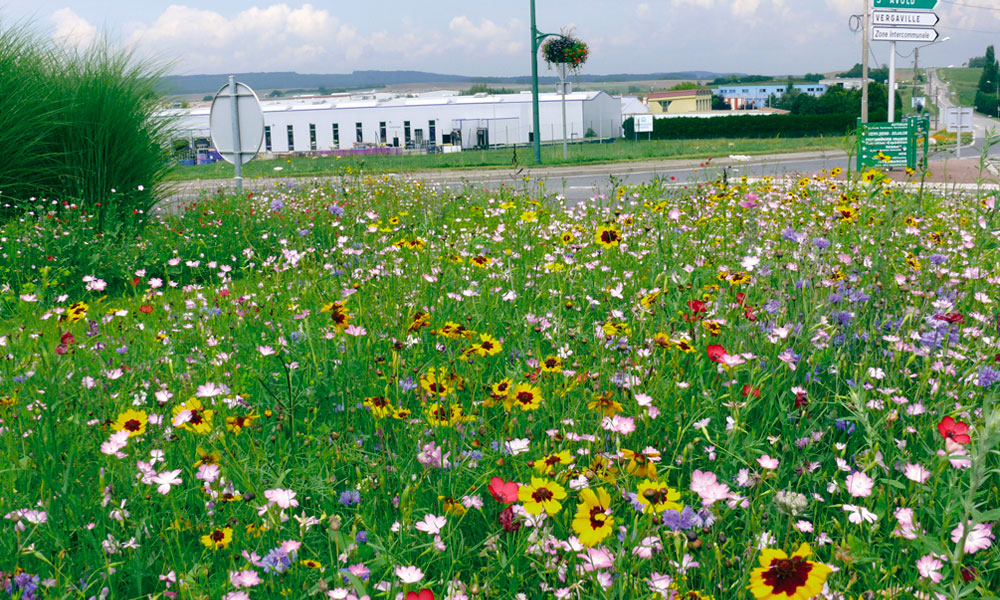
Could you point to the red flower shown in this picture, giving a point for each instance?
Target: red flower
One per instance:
(508, 520)
(696, 306)
(505, 492)
(146, 309)
(952, 318)
(716, 352)
(741, 298)
(748, 391)
(957, 431)
(424, 594)
(67, 338)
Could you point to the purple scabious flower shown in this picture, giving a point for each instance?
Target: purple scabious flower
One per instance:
(350, 497)
(277, 204)
(988, 376)
(276, 561)
(681, 520)
(337, 211)
(821, 243)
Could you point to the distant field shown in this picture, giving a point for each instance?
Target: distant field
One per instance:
(551, 155)
(963, 82)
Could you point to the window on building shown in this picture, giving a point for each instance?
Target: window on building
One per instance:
(312, 136)
(291, 139)
(432, 132)
(359, 132)
(381, 132)
(267, 138)
(336, 136)
(406, 132)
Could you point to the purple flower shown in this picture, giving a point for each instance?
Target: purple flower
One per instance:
(337, 211)
(350, 497)
(277, 204)
(679, 520)
(988, 376)
(821, 243)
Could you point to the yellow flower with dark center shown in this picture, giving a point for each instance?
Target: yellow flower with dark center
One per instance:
(683, 345)
(237, 424)
(712, 327)
(788, 577)
(310, 563)
(133, 421)
(525, 396)
(593, 521)
(198, 418)
(605, 405)
(440, 415)
(76, 312)
(455, 331)
(8, 401)
(608, 236)
(601, 468)
(641, 464)
(481, 261)
(913, 262)
(838, 275)
(207, 458)
(552, 364)
(554, 267)
(548, 462)
(616, 328)
(740, 278)
(836, 171)
(488, 345)
(722, 275)
(910, 221)
(529, 216)
(401, 414)
(541, 495)
(567, 237)
(416, 244)
(649, 300)
(379, 406)
(339, 313)
(662, 340)
(803, 182)
(420, 320)
(657, 496)
(452, 506)
(218, 539)
(435, 382)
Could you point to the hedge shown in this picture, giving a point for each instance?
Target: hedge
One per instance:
(746, 126)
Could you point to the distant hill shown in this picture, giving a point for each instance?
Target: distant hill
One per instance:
(208, 84)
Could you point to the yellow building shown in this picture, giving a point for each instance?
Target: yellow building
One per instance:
(680, 101)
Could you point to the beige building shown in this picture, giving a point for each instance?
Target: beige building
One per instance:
(679, 101)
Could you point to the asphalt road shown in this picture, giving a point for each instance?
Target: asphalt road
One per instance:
(981, 124)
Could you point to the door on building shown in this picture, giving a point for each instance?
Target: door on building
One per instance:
(418, 137)
(482, 138)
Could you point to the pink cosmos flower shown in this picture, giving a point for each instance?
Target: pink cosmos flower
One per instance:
(766, 462)
(929, 567)
(115, 443)
(916, 472)
(432, 456)
(355, 330)
(596, 558)
(907, 527)
(244, 579)
(208, 473)
(619, 424)
(431, 524)
(236, 596)
(167, 479)
(859, 485)
(283, 498)
(409, 574)
(980, 536)
(706, 485)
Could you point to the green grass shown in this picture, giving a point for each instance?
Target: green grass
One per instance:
(579, 154)
(964, 82)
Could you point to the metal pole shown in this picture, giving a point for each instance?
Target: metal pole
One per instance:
(562, 90)
(958, 136)
(535, 120)
(892, 82)
(864, 63)
(237, 143)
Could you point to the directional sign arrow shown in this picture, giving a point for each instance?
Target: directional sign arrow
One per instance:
(904, 18)
(903, 34)
(907, 4)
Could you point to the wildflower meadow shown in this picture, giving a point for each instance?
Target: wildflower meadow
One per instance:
(381, 388)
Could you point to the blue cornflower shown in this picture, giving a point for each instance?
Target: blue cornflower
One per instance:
(988, 376)
(845, 426)
(350, 497)
(297, 336)
(361, 537)
(821, 243)
(337, 211)
(276, 561)
(772, 306)
(277, 204)
(407, 385)
(679, 520)
(843, 317)
(937, 259)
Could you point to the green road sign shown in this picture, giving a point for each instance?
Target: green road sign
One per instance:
(907, 4)
(887, 145)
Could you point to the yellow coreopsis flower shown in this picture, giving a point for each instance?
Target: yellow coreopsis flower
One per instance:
(788, 577)
(593, 521)
(657, 496)
(133, 421)
(218, 538)
(541, 495)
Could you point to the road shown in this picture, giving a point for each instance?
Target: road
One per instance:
(981, 124)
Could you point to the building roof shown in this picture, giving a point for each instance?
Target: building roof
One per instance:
(669, 95)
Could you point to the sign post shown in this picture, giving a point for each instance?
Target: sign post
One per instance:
(237, 125)
(958, 120)
(890, 145)
(905, 21)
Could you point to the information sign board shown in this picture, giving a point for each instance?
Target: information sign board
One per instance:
(887, 145)
(643, 123)
(907, 4)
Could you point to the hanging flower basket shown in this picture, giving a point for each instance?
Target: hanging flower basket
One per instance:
(565, 50)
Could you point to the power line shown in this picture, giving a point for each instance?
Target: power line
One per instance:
(979, 6)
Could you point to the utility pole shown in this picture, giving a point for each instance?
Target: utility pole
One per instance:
(891, 117)
(536, 135)
(864, 62)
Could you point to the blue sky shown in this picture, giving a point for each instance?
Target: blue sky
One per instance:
(490, 38)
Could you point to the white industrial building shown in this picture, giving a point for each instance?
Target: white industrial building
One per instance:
(337, 123)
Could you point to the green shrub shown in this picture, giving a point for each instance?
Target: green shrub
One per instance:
(79, 127)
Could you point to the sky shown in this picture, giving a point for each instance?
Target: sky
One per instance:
(490, 38)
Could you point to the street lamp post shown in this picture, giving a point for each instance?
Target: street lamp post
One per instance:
(536, 41)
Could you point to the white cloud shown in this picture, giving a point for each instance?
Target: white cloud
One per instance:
(487, 36)
(72, 29)
(642, 10)
(700, 3)
(745, 8)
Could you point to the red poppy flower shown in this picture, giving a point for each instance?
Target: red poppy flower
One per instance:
(146, 309)
(424, 594)
(696, 306)
(505, 492)
(952, 318)
(508, 520)
(741, 298)
(748, 391)
(957, 431)
(67, 338)
(716, 352)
